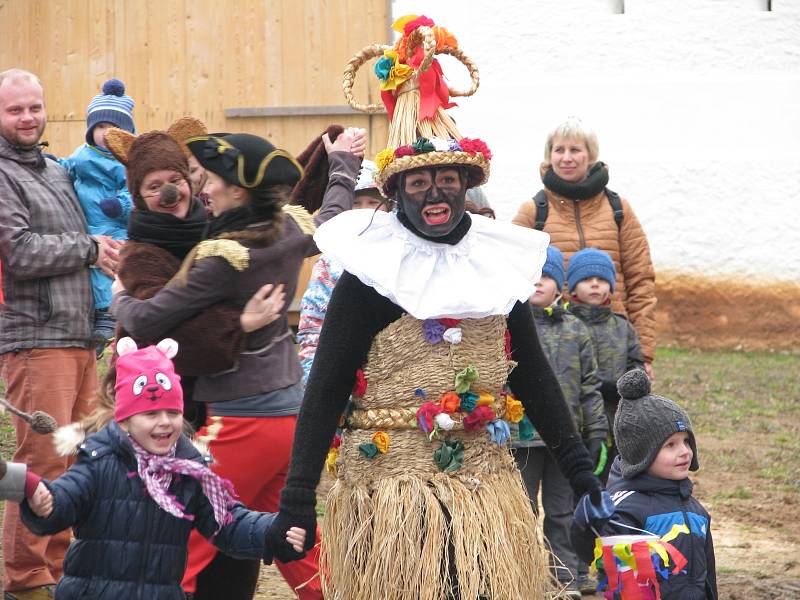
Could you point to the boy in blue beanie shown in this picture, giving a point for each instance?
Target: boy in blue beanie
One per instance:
(591, 277)
(568, 346)
(99, 181)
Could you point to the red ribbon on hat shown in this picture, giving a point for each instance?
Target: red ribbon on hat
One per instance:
(433, 93)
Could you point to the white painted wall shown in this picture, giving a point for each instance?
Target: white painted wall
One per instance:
(696, 104)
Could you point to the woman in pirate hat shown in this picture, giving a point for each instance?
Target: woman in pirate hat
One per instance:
(254, 237)
(426, 330)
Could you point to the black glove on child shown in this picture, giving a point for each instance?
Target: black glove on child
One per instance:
(298, 509)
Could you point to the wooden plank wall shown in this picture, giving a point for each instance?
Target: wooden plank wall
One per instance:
(197, 57)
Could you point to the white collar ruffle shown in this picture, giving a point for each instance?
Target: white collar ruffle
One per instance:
(493, 266)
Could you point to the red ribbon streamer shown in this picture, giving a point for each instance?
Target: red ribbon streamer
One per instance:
(433, 93)
(645, 573)
(610, 567)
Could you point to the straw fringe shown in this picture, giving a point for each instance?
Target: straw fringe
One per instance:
(392, 543)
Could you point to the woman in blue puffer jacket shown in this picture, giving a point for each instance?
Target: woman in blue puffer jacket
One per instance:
(138, 488)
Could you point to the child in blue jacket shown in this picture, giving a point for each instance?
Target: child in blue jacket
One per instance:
(650, 487)
(137, 489)
(99, 182)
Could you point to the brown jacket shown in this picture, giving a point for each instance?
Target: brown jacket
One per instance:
(590, 224)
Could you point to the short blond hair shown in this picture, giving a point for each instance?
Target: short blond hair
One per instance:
(573, 128)
(14, 75)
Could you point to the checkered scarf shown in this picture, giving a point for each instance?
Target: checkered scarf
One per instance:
(156, 472)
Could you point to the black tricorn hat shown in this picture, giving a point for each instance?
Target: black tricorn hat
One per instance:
(245, 160)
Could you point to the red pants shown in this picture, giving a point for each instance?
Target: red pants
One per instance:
(254, 454)
(62, 382)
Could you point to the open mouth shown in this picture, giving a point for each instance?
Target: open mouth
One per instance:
(161, 438)
(436, 214)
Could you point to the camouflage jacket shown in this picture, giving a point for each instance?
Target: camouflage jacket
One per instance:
(616, 345)
(568, 346)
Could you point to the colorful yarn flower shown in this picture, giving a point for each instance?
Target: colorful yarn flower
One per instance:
(443, 421)
(465, 378)
(368, 450)
(514, 409)
(478, 418)
(440, 145)
(433, 331)
(508, 345)
(426, 414)
(403, 151)
(526, 430)
(444, 38)
(447, 322)
(473, 146)
(500, 431)
(450, 456)
(469, 400)
(453, 145)
(397, 72)
(384, 158)
(450, 402)
(410, 26)
(485, 399)
(423, 145)
(337, 441)
(420, 393)
(381, 441)
(452, 335)
(360, 386)
(384, 66)
(330, 461)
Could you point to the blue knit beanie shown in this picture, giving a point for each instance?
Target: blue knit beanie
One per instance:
(554, 266)
(591, 262)
(111, 106)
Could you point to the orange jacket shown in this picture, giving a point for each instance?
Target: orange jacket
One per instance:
(590, 224)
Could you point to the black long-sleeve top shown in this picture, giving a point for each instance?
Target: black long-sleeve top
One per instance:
(356, 313)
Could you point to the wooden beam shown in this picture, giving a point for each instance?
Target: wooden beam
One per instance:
(289, 111)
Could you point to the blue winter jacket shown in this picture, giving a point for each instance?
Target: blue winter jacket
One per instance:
(97, 175)
(126, 547)
(655, 505)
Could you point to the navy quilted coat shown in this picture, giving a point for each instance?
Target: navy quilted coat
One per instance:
(126, 547)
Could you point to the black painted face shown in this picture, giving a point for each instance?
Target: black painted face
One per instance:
(433, 199)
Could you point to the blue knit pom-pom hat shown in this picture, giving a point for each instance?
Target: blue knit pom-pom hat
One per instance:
(591, 262)
(554, 267)
(111, 106)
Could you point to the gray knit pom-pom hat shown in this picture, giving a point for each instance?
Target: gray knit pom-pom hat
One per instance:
(643, 423)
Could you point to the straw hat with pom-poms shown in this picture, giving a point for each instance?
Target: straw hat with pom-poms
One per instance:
(416, 96)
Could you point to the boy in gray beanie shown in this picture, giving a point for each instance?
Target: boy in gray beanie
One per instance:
(649, 484)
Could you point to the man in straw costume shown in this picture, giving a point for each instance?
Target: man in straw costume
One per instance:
(426, 330)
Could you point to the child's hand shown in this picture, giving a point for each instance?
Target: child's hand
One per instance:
(296, 537)
(42, 502)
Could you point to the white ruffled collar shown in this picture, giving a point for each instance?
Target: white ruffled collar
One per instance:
(486, 273)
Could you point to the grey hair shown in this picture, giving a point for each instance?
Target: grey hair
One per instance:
(573, 128)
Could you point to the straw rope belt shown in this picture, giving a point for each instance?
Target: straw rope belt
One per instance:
(400, 418)
(410, 453)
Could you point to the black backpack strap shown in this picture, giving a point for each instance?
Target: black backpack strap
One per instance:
(540, 200)
(616, 205)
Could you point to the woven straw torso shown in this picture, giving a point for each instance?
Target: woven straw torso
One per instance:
(403, 371)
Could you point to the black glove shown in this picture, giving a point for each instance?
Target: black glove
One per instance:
(111, 207)
(595, 448)
(298, 509)
(608, 389)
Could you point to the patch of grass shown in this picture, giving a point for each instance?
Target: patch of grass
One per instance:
(739, 493)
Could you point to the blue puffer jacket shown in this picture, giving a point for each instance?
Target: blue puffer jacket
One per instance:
(126, 547)
(655, 505)
(96, 175)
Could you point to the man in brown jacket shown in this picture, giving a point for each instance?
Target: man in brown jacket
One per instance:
(46, 351)
(579, 215)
